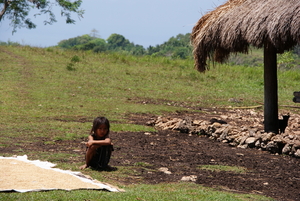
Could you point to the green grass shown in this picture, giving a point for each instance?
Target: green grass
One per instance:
(42, 96)
(220, 168)
(141, 164)
(173, 191)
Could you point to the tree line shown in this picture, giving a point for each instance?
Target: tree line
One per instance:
(175, 47)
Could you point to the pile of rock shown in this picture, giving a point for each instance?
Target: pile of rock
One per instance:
(243, 129)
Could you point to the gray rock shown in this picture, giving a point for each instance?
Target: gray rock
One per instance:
(252, 133)
(251, 141)
(243, 137)
(297, 144)
(185, 125)
(244, 146)
(217, 125)
(257, 144)
(233, 144)
(278, 139)
(287, 149)
(272, 147)
(211, 129)
(151, 123)
(263, 145)
(189, 178)
(243, 140)
(165, 170)
(215, 135)
(267, 136)
(224, 134)
(297, 153)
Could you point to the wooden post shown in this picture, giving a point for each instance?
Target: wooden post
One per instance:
(270, 88)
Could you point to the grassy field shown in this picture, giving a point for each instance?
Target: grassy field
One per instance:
(44, 91)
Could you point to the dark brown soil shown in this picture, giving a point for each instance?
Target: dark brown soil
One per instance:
(276, 176)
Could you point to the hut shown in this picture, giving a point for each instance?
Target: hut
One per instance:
(238, 24)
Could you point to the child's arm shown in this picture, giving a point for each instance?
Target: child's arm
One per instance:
(91, 141)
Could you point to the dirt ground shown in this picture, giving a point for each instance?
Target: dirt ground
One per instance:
(276, 176)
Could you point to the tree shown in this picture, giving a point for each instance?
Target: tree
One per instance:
(17, 11)
(72, 42)
(153, 50)
(117, 41)
(97, 45)
(175, 47)
(181, 52)
(138, 50)
(101, 47)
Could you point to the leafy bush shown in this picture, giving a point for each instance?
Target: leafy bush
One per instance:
(70, 67)
(75, 58)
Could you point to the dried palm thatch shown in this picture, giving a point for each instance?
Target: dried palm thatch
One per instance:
(237, 24)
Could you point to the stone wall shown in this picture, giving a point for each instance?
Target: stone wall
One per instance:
(240, 128)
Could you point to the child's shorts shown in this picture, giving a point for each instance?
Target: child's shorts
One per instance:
(101, 159)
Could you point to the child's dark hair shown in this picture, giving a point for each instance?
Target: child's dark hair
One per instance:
(99, 121)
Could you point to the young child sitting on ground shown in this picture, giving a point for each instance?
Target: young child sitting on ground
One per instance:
(99, 145)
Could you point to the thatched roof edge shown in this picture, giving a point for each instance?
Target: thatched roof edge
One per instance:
(237, 24)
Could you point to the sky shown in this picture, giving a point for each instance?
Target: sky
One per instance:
(143, 22)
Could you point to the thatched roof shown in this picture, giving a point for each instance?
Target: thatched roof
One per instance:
(237, 24)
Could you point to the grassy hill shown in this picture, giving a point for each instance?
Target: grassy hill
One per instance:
(39, 86)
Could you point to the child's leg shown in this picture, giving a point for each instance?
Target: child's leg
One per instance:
(90, 152)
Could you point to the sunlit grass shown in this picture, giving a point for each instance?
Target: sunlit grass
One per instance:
(226, 168)
(164, 192)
